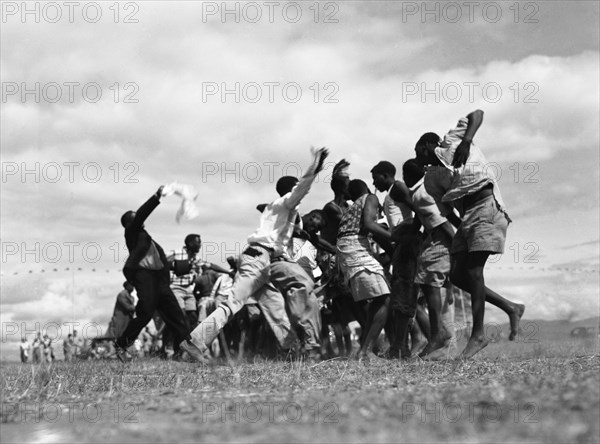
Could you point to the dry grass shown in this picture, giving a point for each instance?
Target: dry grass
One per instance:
(545, 391)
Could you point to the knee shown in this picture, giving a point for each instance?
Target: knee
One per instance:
(457, 278)
(474, 275)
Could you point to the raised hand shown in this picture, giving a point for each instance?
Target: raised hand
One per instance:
(339, 167)
(322, 153)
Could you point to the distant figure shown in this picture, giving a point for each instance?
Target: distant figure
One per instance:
(37, 347)
(78, 344)
(147, 341)
(68, 346)
(48, 349)
(123, 312)
(24, 348)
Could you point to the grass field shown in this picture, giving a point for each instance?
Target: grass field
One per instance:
(544, 388)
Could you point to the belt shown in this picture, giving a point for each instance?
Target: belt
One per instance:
(256, 244)
(472, 199)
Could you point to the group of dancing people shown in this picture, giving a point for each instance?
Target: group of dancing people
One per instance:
(443, 220)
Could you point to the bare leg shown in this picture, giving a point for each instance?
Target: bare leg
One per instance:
(513, 310)
(422, 322)
(467, 273)
(377, 316)
(438, 333)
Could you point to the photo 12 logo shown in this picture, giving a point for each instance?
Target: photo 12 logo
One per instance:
(269, 412)
(452, 412)
(269, 92)
(454, 92)
(469, 12)
(71, 172)
(14, 331)
(69, 412)
(270, 12)
(70, 12)
(69, 92)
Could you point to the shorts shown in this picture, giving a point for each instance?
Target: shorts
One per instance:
(483, 228)
(434, 262)
(367, 285)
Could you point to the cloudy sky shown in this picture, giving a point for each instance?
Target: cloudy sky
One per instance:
(101, 105)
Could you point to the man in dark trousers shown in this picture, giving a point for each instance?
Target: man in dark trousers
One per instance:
(148, 270)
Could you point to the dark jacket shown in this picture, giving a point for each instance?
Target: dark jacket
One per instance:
(138, 240)
(124, 309)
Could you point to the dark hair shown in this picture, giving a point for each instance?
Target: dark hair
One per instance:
(285, 184)
(426, 138)
(191, 237)
(413, 171)
(338, 183)
(357, 188)
(384, 167)
(317, 212)
(126, 218)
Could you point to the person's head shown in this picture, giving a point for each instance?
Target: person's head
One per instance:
(193, 243)
(313, 221)
(339, 185)
(384, 175)
(412, 172)
(357, 188)
(128, 286)
(425, 148)
(285, 185)
(74, 333)
(23, 339)
(69, 336)
(127, 218)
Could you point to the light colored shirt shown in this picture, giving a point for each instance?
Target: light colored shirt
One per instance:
(425, 206)
(395, 213)
(278, 219)
(185, 280)
(471, 177)
(305, 254)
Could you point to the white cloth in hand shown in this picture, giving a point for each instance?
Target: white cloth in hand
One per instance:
(188, 209)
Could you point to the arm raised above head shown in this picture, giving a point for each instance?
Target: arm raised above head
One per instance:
(302, 188)
(475, 119)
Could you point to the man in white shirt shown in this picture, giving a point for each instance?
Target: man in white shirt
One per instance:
(268, 258)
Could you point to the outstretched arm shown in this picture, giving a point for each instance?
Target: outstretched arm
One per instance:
(463, 150)
(303, 187)
(145, 210)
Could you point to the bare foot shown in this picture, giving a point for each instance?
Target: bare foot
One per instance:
(368, 357)
(474, 346)
(515, 317)
(418, 347)
(436, 343)
(441, 354)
